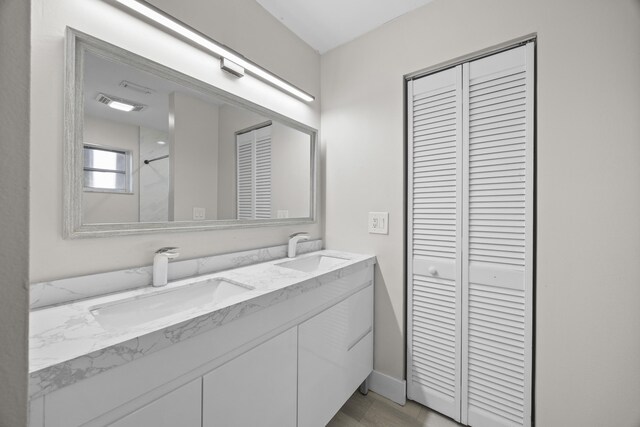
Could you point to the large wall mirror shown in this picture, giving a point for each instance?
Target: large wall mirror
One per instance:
(150, 149)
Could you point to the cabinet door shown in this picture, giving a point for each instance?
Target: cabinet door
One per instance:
(257, 388)
(181, 407)
(335, 354)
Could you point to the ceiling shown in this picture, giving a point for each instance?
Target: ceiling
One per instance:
(325, 24)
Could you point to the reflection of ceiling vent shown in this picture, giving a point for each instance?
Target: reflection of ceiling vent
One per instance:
(136, 87)
(119, 103)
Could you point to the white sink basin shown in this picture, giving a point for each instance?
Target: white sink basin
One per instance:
(141, 309)
(313, 264)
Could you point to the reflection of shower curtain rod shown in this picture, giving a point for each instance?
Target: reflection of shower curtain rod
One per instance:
(146, 162)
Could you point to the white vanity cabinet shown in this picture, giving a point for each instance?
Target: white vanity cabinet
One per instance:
(292, 363)
(180, 407)
(335, 354)
(257, 388)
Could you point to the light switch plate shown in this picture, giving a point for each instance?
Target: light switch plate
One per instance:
(379, 222)
(199, 214)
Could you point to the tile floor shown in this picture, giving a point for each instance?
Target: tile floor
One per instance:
(376, 411)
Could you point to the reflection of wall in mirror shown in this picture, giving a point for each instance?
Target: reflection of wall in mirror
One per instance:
(290, 171)
(193, 157)
(101, 207)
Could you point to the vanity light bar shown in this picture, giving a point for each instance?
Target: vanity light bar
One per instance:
(172, 24)
(231, 67)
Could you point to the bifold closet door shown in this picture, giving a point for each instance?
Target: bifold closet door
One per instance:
(498, 239)
(434, 241)
(470, 235)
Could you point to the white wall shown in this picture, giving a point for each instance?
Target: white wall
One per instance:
(14, 210)
(99, 207)
(267, 43)
(588, 199)
(193, 157)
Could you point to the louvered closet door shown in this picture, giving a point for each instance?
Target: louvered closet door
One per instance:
(434, 345)
(497, 239)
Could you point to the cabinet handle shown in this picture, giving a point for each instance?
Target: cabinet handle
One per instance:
(360, 338)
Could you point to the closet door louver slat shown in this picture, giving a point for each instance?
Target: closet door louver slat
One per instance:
(434, 307)
(497, 188)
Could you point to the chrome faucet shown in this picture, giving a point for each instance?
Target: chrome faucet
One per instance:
(161, 264)
(293, 242)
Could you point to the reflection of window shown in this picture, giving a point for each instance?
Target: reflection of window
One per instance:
(107, 169)
(253, 149)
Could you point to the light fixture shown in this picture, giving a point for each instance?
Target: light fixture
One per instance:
(136, 87)
(159, 17)
(231, 67)
(119, 103)
(161, 142)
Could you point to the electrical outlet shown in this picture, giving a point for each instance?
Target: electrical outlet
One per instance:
(283, 214)
(199, 214)
(379, 222)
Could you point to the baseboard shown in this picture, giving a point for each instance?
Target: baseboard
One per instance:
(389, 387)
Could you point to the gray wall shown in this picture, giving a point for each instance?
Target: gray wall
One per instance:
(588, 236)
(14, 210)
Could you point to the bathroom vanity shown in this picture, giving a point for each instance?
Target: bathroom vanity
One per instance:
(278, 343)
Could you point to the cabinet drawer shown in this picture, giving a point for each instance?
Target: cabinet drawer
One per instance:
(335, 355)
(257, 388)
(181, 407)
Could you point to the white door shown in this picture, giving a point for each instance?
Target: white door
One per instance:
(475, 287)
(497, 239)
(434, 241)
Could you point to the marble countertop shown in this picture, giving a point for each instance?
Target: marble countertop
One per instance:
(68, 344)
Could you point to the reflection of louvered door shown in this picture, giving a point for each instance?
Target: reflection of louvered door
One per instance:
(488, 294)
(244, 178)
(253, 153)
(263, 173)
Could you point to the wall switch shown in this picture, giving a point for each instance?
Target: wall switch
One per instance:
(379, 222)
(283, 214)
(199, 214)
